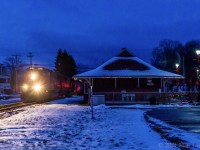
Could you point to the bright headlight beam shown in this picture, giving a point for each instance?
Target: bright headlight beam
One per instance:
(33, 76)
(37, 87)
(25, 86)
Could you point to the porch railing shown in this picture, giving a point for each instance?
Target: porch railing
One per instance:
(144, 97)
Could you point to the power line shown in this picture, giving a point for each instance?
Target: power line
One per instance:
(16, 59)
(30, 55)
(16, 69)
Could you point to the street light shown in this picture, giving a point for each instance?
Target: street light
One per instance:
(177, 67)
(198, 52)
(177, 71)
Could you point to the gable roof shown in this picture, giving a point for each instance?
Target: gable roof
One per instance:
(127, 65)
(125, 53)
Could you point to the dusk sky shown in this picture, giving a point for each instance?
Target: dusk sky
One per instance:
(93, 31)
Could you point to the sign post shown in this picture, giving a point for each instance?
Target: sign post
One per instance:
(90, 93)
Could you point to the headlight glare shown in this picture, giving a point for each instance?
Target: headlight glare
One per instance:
(33, 76)
(37, 87)
(25, 87)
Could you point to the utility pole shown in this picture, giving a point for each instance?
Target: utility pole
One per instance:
(30, 55)
(183, 70)
(1, 69)
(16, 69)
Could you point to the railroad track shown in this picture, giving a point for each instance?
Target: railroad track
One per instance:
(13, 106)
(7, 110)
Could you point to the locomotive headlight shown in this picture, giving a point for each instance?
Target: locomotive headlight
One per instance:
(37, 87)
(25, 87)
(33, 76)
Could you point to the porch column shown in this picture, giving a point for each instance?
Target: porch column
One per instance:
(164, 82)
(115, 83)
(91, 82)
(138, 83)
(87, 83)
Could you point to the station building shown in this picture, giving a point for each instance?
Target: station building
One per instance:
(126, 79)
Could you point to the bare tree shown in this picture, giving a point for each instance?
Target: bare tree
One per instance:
(191, 61)
(158, 59)
(13, 65)
(166, 55)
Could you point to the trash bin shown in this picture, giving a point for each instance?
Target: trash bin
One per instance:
(152, 101)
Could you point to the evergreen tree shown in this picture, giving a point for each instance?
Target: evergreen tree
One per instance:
(58, 61)
(72, 69)
(65, 66)
(58, 66)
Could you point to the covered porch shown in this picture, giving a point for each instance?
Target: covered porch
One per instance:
(129, 90)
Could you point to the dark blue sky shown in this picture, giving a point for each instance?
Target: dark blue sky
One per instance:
(94, 30)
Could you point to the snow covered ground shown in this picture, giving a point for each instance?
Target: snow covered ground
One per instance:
(10, 100)
(60, 125)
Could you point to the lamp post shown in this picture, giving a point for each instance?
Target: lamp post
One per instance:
(177, 71)
(198, 54)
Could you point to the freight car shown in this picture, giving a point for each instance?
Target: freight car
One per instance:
(40, 84)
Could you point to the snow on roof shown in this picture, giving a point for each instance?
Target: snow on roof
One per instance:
(131, 66)
(37, 66)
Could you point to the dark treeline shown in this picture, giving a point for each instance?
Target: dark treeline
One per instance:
(65, 64)
(169, 52)
(65, 67)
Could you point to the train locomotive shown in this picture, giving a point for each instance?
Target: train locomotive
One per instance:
(40, 84)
